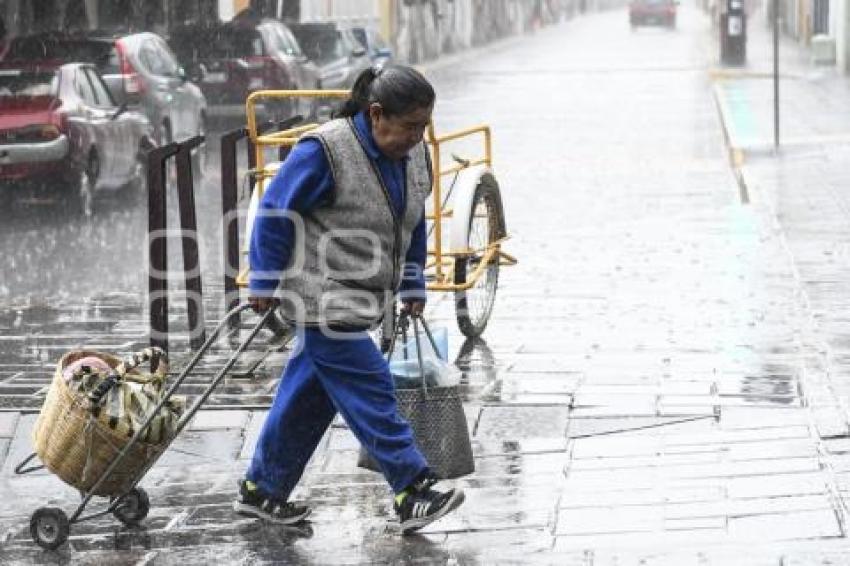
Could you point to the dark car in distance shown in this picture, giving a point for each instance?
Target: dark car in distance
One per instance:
(653, 13)
(233, 59)
(377, 48)
(335, 49)
(61, 130)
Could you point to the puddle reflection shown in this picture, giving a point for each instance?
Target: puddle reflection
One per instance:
(479, 377)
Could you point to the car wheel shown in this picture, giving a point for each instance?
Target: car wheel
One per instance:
(139, 183)
(6, 202)
(81, 192)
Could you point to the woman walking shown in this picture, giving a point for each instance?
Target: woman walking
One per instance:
(341, 234)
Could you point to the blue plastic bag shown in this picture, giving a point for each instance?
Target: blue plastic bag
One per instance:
(435, 371)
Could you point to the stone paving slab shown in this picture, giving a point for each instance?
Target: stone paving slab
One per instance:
(513, 423)
(8, 423)
(212, 420)
(198, 446)
(597, 426)
(21, 444)
(252, 433)
(749, 506)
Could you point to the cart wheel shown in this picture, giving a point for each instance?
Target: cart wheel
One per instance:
(133, 508)
(49, 527)
(486, 225)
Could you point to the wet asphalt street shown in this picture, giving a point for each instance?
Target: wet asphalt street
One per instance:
(646, 391)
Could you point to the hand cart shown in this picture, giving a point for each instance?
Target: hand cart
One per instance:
(464, 261)
(50, 526)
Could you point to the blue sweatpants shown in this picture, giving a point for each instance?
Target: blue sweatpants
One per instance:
(324, 376)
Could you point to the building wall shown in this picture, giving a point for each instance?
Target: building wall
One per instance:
(355, 11)
(424, 29)
(797, 22)
(841, 11)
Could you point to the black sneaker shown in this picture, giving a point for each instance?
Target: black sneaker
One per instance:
(423, 505)
(253, 503)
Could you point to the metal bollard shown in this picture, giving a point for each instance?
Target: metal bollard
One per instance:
(230, 230)
(158, 245)
(189, 237)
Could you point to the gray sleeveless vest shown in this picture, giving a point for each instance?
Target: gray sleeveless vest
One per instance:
(349, 252)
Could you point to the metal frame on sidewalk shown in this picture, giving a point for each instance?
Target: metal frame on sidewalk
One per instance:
(460, 266)
(158, 273)
(50, 526)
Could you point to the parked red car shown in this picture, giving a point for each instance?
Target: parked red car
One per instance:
(653, 13)
(60, 127)
(234, 59)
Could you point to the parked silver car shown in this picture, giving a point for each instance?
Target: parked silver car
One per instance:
(335, 49)
(139, 69)
(60, 123)
(377, 48)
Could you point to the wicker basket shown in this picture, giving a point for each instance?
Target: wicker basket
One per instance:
(79, 447)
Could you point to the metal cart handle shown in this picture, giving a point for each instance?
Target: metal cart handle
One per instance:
(22, 468)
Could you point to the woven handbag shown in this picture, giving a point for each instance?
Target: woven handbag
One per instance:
(436, 416)
(78, 441)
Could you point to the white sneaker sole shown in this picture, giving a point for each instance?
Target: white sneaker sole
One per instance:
(415, 524)
(251, 511)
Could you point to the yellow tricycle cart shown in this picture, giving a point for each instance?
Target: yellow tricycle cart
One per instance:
(466, 218)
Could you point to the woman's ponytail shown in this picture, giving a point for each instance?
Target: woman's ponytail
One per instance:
(360, 93)
(397, 88)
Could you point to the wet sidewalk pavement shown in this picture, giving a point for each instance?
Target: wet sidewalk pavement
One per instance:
(802, 186)
(659, 384)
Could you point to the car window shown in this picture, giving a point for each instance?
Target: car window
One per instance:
(17, 83)
(83, 88)
(283, 42)
(169, 63)
(293, 43)
(156, 60)
(272, 39)
(360, 35)
(322, 45)
(112, 64)
(149, 59)
(377, 41)
(101, 93)
(350, 42)
(257, 47)
(236, 43)
(345, 41)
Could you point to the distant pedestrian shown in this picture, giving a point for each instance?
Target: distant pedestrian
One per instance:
(358, 186)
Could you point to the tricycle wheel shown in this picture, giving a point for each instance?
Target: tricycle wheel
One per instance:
(49, 527)
(133, 507)
(486, 226)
